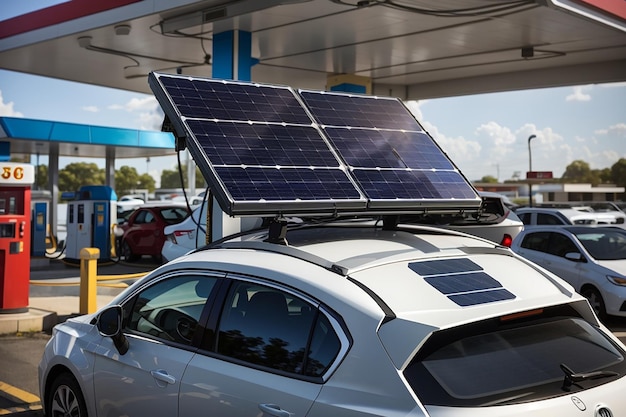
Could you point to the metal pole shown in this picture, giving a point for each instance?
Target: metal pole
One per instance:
(530, 168)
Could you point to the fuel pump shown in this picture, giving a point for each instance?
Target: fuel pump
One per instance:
(90, 220)
(15, 223)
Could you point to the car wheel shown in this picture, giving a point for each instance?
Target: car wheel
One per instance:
(65, 398)
(596, 302)
(127, 252)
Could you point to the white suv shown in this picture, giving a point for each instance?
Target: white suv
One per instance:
(342, 320)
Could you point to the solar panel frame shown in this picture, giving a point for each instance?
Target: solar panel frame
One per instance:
(269, 134)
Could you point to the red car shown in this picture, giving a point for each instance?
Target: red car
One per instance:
(143, 232)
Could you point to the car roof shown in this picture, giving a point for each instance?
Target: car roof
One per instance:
(324, 260)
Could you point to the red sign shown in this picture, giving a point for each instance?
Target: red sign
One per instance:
(538, 175)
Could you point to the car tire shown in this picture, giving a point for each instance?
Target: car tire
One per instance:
(127, 253)
(66, 398)
(596, 302)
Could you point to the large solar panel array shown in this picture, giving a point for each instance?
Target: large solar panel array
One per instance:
(268, 149)
(462, 281)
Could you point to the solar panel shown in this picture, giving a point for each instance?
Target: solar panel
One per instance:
(394, 161)
(462, 281)
(268, 150)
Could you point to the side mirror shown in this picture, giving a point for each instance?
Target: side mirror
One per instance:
(575, 256)
(110, 325)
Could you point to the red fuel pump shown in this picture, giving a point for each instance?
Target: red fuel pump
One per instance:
(15, 222)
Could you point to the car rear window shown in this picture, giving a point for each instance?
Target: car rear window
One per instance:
(497, 361)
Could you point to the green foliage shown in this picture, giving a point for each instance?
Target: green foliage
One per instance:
(171, 178)
(618, 173)
(489, 179)
(77, 174)
(127, 180)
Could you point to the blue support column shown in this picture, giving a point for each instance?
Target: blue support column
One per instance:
(232, 58)
(349, 83)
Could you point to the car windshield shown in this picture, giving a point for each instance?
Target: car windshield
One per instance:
(604, 245)
(479, 366)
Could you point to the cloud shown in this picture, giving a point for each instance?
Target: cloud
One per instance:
(137, 104)
(579, 94)
(6, 109)
(150, 115)
(91, 109)
(616, 130)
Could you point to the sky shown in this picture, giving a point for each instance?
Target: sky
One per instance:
(484, 134)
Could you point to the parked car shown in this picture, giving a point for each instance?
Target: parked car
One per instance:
(591, 259)
(143, 231)
(532, 216)
(128, 203)
(190, 234)
(339, 320)
(495, 221)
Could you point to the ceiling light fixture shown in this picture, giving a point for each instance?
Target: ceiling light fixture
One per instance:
(197, 18)
(84, 41)
(122, 30)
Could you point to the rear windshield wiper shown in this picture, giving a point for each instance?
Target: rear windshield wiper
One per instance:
(572, 378)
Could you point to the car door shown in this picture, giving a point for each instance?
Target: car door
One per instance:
(254, 363)
(534, 246)
(160, 323)
(561, 244)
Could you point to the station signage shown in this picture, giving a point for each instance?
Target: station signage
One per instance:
(16, 173)
(538, 175)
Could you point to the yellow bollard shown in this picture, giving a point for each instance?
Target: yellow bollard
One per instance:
(88, 280)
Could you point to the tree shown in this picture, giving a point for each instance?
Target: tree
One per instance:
(618, 173)
(171, 178)
(127, 180)
(77, 174)
(41, 177)
(577, 172)
(489, 179)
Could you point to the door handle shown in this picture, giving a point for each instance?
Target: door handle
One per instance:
(162, 375)
(274, 410)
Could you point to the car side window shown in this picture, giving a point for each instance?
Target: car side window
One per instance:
(524, 217)
(270, 328)
(536, 241)
(171, 308)
(561, 245)
(545, 218)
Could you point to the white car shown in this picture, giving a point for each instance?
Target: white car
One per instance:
(190, 234)
(591, 259)
(533, 216)
(495, 221)
(343, 321)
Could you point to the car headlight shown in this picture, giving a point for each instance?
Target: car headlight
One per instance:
(617, 280)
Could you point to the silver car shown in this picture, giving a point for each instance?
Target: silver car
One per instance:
(344, 321)
(591, 259)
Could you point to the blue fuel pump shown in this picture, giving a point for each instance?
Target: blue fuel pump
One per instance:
(90, 220)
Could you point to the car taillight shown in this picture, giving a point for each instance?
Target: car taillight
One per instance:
(177, 234)
(506, 241)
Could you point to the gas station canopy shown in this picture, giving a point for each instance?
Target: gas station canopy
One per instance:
(29, 136)
(410, 49)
